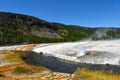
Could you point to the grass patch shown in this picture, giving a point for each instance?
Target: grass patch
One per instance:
(23, 70)
(86, 74)
(28, 69)
(13, 56)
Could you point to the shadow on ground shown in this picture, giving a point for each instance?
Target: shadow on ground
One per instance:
(60, 65)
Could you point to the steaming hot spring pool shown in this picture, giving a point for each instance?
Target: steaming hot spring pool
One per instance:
(94, 52)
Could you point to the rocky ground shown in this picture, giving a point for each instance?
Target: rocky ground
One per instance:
(109, 51)
(7, 69)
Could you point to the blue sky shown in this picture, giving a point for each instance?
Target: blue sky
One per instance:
(91, 13)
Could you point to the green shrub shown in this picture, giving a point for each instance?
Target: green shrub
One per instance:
(23, 70)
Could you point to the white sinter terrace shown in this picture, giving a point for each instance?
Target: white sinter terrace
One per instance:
(101, 52)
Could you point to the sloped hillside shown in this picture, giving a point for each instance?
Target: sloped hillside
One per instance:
(24, 29)
(106, 33)
(19, 28)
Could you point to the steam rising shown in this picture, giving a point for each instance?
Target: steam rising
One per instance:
(102, 52)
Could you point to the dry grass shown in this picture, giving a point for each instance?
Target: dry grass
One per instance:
(12, 56)
(17, 57)
(28, 69)
(18, 71)
(86, 74)
(23, 71)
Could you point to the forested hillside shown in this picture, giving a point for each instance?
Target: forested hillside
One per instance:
(19, 29)
(24, 29)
